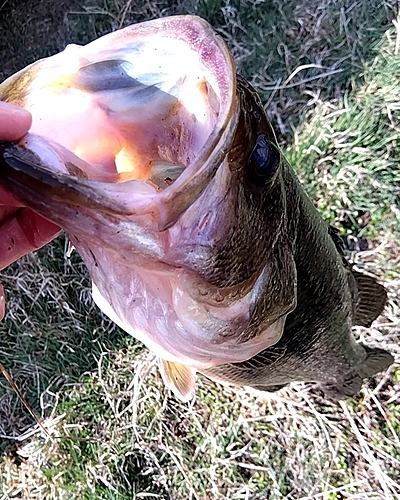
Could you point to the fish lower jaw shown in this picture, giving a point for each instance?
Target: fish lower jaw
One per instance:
(143, 337)
(205, 354)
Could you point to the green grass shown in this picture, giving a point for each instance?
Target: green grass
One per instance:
(115, 431)
(348, 153)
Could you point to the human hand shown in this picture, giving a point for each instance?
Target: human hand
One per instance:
(21, 230)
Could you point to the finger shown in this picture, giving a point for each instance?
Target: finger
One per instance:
(6, 212)
(14, 121)
(24, 232)
(8, 199)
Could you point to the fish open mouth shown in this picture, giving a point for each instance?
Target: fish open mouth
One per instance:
(149, 107)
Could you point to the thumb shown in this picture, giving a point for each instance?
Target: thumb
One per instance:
(14, 121)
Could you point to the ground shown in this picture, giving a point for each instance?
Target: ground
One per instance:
(328, 72)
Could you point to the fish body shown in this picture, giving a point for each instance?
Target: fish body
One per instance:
(196, 232)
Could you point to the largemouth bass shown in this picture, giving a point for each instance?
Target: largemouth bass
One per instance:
(162, 167)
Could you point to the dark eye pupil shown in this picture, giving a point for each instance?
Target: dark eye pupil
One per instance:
(263, 160)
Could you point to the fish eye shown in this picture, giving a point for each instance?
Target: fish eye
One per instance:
(263, 161)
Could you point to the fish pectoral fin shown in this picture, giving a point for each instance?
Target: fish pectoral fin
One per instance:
(371, 299)
(180, 379)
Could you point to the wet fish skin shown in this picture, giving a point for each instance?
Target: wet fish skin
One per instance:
(317, 344)
(268, 238)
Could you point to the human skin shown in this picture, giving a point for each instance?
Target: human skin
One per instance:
(21, 230)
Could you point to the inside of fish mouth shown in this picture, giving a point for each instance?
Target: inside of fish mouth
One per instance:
(148, 129)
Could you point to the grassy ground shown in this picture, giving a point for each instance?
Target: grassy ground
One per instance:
(328, 73)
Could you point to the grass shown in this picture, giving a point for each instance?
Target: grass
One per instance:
(349, 151)
(328, 73)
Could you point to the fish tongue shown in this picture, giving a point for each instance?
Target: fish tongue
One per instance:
(163, 175)
(114, 82)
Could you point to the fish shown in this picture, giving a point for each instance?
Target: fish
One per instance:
(162, 167)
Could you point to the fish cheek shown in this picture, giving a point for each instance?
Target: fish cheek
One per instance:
(277, 295)
(260, 223)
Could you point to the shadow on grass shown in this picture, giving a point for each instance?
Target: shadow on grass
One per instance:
(291, 51)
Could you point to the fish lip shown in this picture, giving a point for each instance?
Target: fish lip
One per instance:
(167, 206)
(177, 197)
